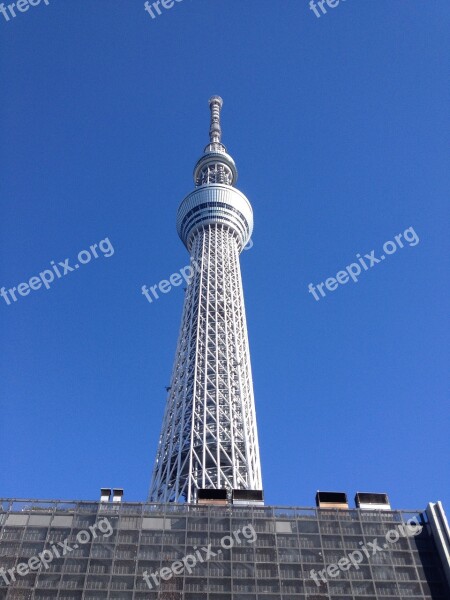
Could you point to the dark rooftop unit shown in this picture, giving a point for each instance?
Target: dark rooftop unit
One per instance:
(246, 497)
(331, 500)
(212, 496)
(372, 501)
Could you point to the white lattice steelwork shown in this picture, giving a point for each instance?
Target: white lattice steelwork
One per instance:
(209, 437)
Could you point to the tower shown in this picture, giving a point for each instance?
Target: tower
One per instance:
(209, 437)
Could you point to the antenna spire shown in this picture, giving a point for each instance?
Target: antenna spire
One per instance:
(216, 165)
(215, 132)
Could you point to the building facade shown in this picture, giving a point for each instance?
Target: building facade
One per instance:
(144, 551)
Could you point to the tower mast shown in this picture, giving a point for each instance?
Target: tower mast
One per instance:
(209, 435)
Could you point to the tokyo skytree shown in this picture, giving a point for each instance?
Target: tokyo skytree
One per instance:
(209, 437)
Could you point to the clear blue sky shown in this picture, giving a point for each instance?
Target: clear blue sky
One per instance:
(338, 125)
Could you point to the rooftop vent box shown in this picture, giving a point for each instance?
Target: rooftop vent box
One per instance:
(212, 496)
(248, 497)
(105, 494)
(331, 500)
(369, 501)
(117, 494)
